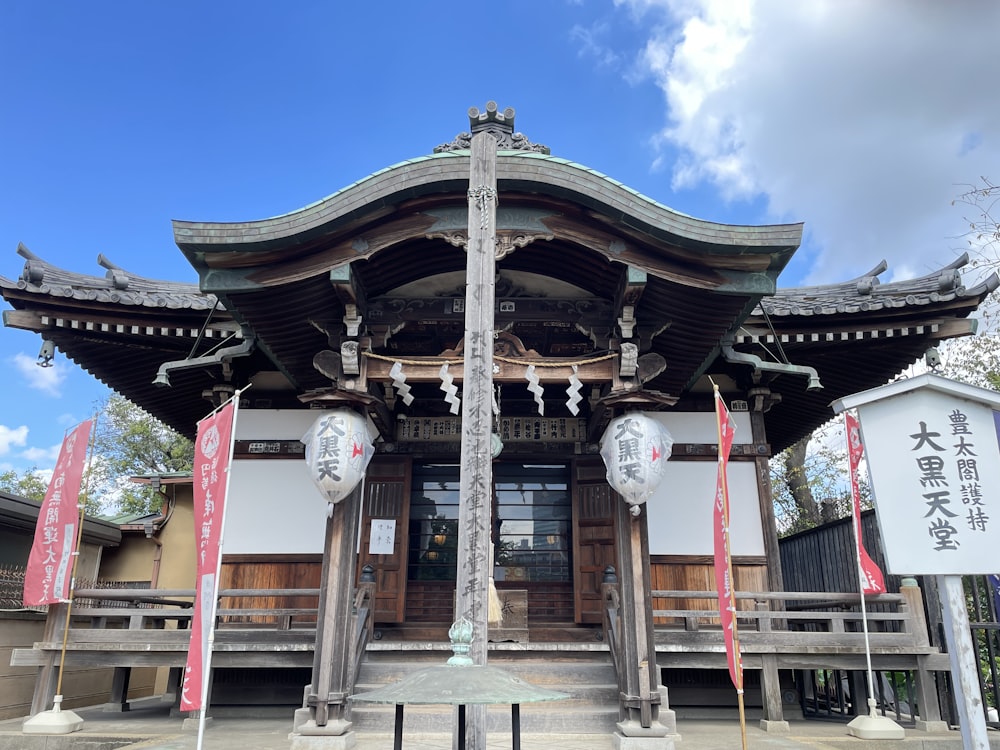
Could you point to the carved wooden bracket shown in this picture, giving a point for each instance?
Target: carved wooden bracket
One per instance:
(507, 240)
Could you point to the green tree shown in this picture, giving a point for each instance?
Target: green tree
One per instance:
(29, 484)
(810, 484)
(129, 442)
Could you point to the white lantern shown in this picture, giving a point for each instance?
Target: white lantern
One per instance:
(635, 449)
(338, 449)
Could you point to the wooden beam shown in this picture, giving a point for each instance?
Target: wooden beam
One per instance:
(589, 311)
(630, 288)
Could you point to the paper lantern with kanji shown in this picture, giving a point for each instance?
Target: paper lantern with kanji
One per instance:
(338, 449)
(635, 449)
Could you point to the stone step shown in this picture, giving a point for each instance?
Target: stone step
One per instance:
(586, 675)
(535, 718)
(541, 672)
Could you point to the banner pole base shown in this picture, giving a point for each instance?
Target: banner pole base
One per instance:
(55, 721)
(875, 727)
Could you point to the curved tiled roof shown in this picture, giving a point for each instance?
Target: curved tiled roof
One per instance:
(117, 286)
(516, 171)
(867, 294)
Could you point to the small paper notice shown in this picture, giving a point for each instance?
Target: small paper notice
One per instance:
(383, 537)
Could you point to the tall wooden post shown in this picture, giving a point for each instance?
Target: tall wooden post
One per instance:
(326, 712)
(645, 719)
(476, 477)
(761, 399)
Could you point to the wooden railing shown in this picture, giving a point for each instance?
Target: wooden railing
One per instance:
(125, 628)
(792, 630)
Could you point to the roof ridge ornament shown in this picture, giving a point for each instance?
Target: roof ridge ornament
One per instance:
(498, 124)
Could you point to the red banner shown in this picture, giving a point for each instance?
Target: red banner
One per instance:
(212, 454)
(50, 562)
(723, 568)
(868, 572)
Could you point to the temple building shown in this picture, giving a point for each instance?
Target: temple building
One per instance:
(601, 301)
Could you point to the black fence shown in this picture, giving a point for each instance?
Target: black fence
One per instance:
(824, 559)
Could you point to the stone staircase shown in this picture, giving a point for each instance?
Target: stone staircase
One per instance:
(584, 671)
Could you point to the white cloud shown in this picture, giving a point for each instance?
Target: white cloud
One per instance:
(46, 379)
(42, 456)
(591, 44)
(861, 118)
(12, 437)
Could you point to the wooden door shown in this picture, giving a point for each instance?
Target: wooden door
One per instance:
(387, 498)
(593, 536)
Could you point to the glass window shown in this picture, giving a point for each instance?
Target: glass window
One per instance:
(434, 522)
(531, 522)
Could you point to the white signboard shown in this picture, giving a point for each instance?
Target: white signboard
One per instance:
(934, 462)
(383, 537)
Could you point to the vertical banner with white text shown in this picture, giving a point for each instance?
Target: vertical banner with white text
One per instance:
(872, 581)
(213, 452)
(50, 562)
(723, 567)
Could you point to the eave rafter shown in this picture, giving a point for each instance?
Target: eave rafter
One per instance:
(38, 322)
(938, 329)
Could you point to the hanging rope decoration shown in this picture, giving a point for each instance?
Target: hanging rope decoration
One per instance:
(536, 388)
(479, 196)
(399, 380)
(450, 389)
(573, 393)
(496, 401)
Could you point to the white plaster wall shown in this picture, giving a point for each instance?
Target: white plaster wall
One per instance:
(274, 507)
(700, 427)
(680, 513)
(274, 424)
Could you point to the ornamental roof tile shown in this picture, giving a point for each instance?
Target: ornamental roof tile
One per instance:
(867, 294)
(117, 286)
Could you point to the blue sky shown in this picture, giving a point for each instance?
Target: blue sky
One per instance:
(862, 119)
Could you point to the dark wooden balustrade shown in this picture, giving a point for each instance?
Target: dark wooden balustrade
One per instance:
(125, 628)
(791, 630)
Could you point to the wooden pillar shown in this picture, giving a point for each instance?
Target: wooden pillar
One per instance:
(327, 697)
(760, 401)
(56, 621)
(770, 682)
(640, 702)
(924, 683)
(476, 474)
(119, 690)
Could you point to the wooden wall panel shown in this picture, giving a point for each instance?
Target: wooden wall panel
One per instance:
(270, 572)
(683, 573)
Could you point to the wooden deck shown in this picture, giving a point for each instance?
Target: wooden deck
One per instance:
(778, 631)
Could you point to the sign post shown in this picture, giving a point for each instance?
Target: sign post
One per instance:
(934, 462)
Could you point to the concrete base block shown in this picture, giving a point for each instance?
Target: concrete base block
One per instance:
(190, 724)
(52, 722)
(931, 726)
(651, 742)
(666, 715)
(300, 717)
(874, 727)
(775, 727)
(336, 735)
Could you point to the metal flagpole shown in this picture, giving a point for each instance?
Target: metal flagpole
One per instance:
(868, 726)
(214, 601)
(723, 489)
